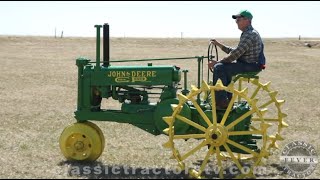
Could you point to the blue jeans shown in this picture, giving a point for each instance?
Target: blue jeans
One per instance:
(225, 71)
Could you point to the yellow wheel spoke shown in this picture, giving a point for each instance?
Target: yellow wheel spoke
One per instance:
(219, 163)
(266, 119)
(188, 121)
(188, 136)
(214, 112)
(226, 114)
(240, 119)
(205, 161)
(266, 104)
(237, 133)
(242, 147)
(253, 128)
(239, 88)
(203, 115)
(255, 92)
(235, 160)
(271, 119)
(192, 151)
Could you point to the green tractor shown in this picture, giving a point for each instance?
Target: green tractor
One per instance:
(246, 131)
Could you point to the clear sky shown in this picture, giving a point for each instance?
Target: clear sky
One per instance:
(158, 18)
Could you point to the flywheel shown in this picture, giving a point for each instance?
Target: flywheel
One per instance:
(82, 141)
(221, 146)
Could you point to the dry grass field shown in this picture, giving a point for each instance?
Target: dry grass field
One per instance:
(38, 91)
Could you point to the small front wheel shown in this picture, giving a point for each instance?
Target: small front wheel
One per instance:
(81, 141)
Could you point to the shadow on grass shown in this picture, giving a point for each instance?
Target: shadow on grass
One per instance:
(278, 171)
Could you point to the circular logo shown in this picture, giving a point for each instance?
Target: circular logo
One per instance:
(299, 159)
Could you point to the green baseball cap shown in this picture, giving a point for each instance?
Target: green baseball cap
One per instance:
(243, 13)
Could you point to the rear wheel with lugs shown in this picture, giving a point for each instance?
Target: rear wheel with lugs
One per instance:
(220, 144)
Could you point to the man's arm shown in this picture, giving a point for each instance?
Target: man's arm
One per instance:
(243, 46)
(223, 47)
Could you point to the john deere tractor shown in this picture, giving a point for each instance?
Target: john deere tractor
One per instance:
(247, 131)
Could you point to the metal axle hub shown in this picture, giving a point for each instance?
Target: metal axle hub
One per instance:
(216, 135)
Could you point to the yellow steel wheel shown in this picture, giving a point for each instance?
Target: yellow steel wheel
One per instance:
(214, 144)
(80, 141)
(271, 106)
(100, 133)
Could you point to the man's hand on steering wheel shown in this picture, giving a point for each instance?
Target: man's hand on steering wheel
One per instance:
(211, 63)
(214, 41)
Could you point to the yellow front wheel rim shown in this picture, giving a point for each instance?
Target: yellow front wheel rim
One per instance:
(80, 141)
(99, 132)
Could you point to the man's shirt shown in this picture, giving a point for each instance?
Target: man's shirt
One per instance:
(248, 48)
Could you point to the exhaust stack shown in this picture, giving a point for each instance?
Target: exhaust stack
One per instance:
(106, 45)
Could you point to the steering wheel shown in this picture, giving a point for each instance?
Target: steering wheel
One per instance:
(210, 56)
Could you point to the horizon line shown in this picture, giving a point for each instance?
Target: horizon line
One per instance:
(155, 37)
